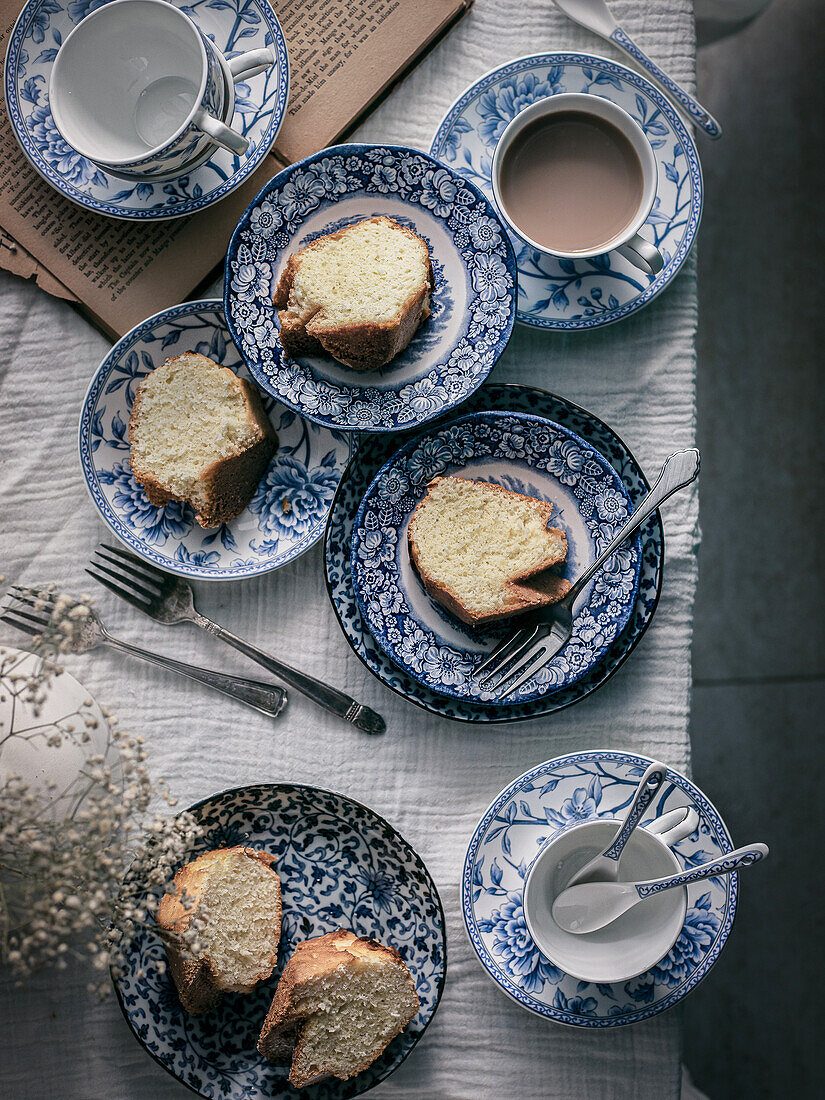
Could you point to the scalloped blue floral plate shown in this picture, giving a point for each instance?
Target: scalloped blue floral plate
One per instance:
(341, 866)
(235, 26)
(374, 451)
(473, 305)
(526, 454)
(581, 294)
(551, 797)
(286, 515)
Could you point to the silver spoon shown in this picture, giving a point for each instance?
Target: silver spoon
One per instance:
(596, 16)
(605, 867)
(593, 905)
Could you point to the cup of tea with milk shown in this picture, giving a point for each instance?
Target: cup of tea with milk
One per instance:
(574, 176)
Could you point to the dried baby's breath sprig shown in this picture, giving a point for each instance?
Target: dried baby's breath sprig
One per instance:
(64, 851)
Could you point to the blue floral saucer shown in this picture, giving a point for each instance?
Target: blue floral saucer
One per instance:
(341, 866)
(551, 797)
(526, 454)
(581, 294)
(375, 451)
(473, 305)
(289, 509)
(235, 26)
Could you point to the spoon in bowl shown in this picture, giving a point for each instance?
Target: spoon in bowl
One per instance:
(592, 905)
(605, 867)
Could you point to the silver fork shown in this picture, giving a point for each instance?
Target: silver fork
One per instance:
(548, 631)
(35, 616)
(169, 599)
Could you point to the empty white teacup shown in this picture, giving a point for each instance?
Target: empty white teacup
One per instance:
(575, 177)
(138, 89)
(630, 945)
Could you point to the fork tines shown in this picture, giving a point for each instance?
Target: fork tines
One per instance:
(34, 601)
(139, 583)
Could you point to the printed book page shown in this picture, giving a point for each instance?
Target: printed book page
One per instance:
(344, 55)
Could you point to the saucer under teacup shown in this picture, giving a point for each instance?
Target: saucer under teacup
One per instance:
(373, 453)
(341, 864)
(260, 107)
(526, 454)
(473, 303)
(571, 789)
(288, 511)
(571, 294)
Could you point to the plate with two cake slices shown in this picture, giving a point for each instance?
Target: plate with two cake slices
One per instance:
(340, 866)
(419, 607)
(376, 451)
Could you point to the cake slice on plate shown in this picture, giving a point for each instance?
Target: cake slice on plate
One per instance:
(484, 552)
(340, 1000)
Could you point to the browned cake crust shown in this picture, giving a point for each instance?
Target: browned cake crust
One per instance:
(361, 346)
(229, 483)
(528, 591)
(194, 978)
(280, 1036)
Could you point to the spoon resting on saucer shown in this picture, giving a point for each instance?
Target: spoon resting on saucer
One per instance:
(605, 866)
(592, 905)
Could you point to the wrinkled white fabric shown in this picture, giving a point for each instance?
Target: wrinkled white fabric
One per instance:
(430, 778)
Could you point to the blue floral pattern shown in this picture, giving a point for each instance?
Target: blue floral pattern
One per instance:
(515, 450)
(375, 451)
(473, 303)
(289, 509)
(235, 26)
(582, 294)
(522, 818)
(341, 865)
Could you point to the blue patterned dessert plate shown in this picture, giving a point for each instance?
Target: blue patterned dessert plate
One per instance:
(526, 454)
(235, 26)
(551, 797)
(581, 294)
(375, 451)
(473, 304)
(286, 515)
(341, 866)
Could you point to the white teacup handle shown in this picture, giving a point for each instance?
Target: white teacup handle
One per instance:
(675, 825)
(642, 254)
(251, 64)
(221, 134)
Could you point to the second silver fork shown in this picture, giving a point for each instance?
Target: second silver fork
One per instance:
(169, 599)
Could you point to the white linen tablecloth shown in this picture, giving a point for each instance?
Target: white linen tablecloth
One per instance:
(429, 777)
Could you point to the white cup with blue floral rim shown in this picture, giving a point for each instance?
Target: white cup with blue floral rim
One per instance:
(625, 239)
(139, 90)
(636, 941)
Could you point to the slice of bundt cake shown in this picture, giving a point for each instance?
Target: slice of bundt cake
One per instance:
(234, 896)
(340, 1000)
(198, 433)
(358, 295)
(482, 550)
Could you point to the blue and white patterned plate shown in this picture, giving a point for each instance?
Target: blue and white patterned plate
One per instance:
(371, 456)
(551, 797)
(527, 454)
(581, 294)
(473, 304)
(235, 26)
(288, 512)
(341, 865)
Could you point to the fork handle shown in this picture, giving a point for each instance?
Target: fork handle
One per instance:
(679, 470)
(330, 698)
(266, 698)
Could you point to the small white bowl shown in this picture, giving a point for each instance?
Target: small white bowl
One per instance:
(630, 945)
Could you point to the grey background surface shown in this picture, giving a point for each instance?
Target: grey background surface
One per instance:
(759, 652)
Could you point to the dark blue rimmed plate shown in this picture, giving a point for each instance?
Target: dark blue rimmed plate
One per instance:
(341, 865)
(524, 453)
(372, 455)
(473, 302)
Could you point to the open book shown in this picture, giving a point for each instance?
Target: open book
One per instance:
(345, 55)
